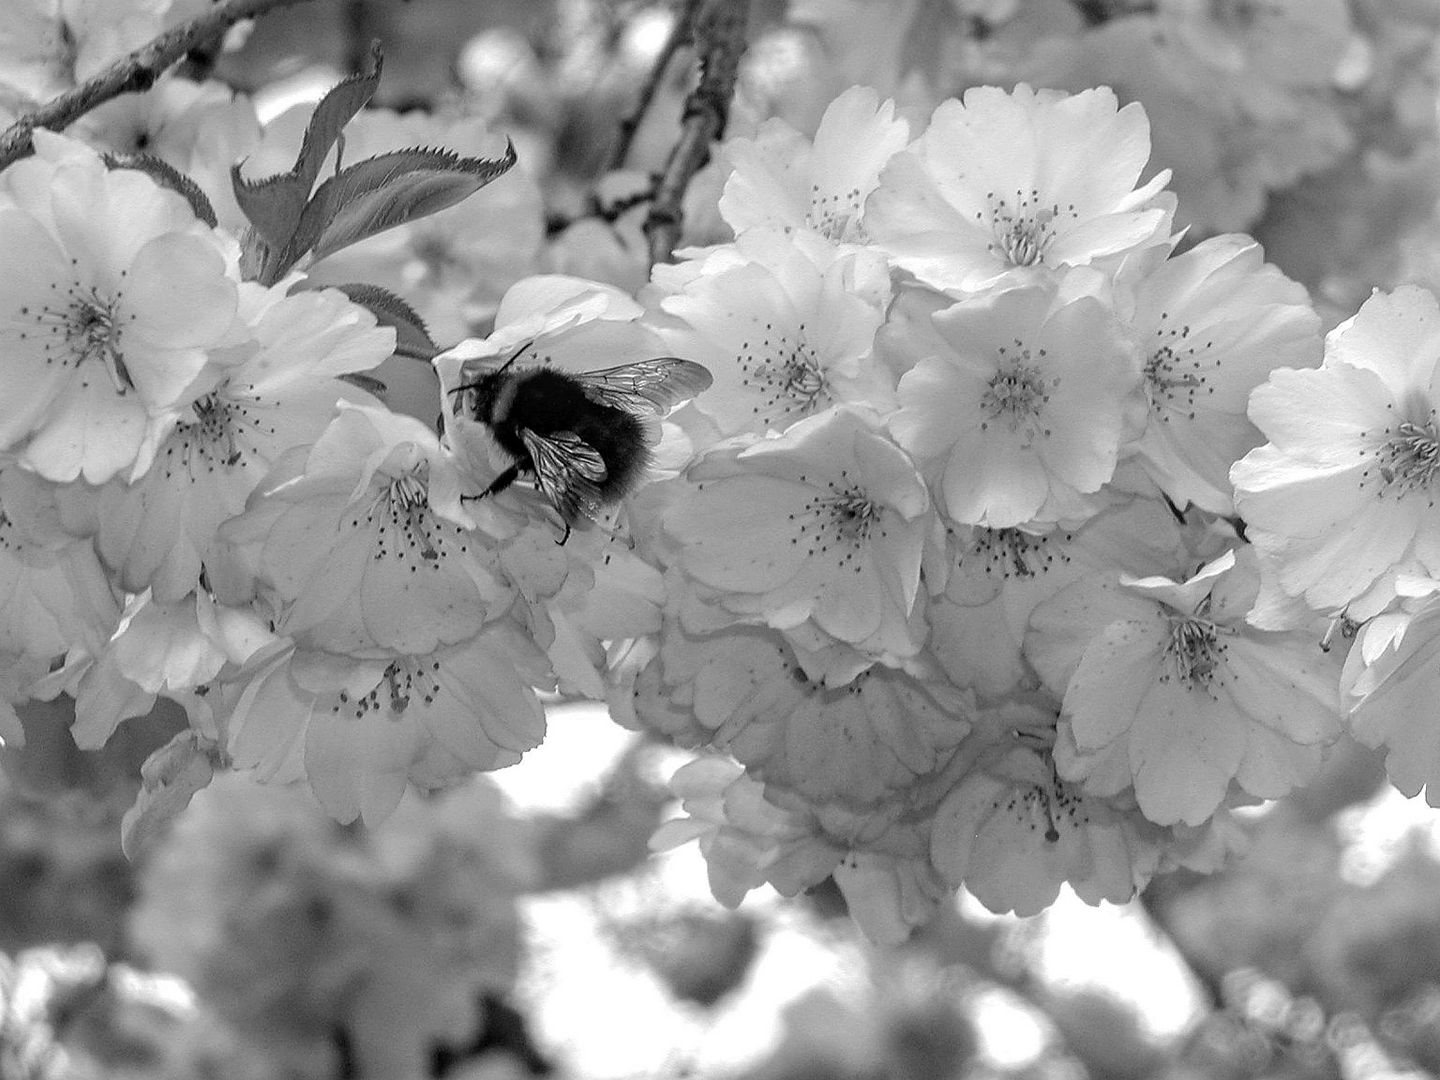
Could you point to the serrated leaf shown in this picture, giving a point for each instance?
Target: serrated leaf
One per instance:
(412, 338)
(382, 192)
(167, 176)
(274, 204)
(336, 109)
(170, 778)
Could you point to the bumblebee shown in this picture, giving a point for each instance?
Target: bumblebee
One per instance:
(582, 436)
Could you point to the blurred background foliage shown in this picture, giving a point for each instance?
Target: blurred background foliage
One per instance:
(517, 926)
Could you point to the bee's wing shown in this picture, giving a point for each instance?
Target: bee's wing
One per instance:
(567, 469)
(649, 386)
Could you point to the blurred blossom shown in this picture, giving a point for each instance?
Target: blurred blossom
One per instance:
(1294, 42)
(294, 931)
(1230, 137)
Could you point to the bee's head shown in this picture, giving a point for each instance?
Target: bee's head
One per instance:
(484, 398)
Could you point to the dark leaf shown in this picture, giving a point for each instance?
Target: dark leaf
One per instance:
(275, 204)
(166, 175)
(382, 192)
(411, 336)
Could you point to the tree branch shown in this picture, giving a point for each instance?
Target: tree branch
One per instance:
(135, 72)
(718, 30)
(630, 123)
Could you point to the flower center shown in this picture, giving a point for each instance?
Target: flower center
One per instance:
(840, 520)
(401, 682)
(90, 329)
(404, 526)
(1022, 230)
(1195, 649)
(410, 510)
(1175, 371)
(786, 374)
(1045, 808)
(1017, 393)
(1014, 553)
(832, 214)
(1407, 460)
(853, 514)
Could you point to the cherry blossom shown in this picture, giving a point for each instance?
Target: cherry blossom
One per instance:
(108, 320)
(1167, 688)
(280, 392)
(827, 522)
(175, 649)
(1212, 323)
(1014, 831)
(54, 594)
(1391, 674)
(1341, 498)
(783, 180)
(360, 730)
(1004, 184)
(743, 691)
(746, 841)
(1000, 576)
(785, 325)
(348, 539)
(1017, 402)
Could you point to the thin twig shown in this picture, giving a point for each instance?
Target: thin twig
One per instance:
(678, 37)
(135, 72)
(555, 224)
(718, 30)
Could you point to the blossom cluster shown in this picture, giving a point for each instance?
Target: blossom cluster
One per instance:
(1008, 548)
(955, 581)
(203, 501)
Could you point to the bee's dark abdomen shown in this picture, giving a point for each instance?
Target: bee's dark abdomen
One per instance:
(619, 438)
(550, 402)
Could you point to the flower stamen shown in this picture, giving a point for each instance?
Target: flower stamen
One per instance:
(399, 684)
(1409, 459)
(1174, 371)
(1024, 232)
(787, 374)
(1195, 649)
(1018, 393)
(90, 329)
(842, 519)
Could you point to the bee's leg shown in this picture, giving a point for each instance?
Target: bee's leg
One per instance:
(503, 481)
(499, 484)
